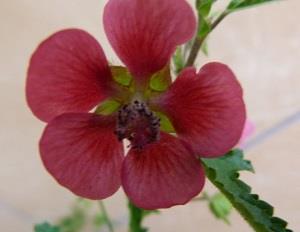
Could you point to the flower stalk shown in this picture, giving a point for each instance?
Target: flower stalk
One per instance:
(106, 217)
(135, 218)
(198, 42)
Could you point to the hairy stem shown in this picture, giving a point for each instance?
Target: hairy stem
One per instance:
(106, 217)
(199, 40)
(135, 218)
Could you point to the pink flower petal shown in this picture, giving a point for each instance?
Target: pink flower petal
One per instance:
(162, 175)
(67, 73)
(82, 153)
(145, 33)
(207, 109)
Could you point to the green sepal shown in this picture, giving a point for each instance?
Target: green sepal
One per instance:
(220, 206)
(161, 80)
(121, 75)
(223, 172)
(165, 123)
(108, 107)
(46, 227)
(241, 4)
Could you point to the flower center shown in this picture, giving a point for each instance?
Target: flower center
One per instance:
(137, 123)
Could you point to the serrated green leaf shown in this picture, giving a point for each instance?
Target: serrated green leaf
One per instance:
(220, 206)
(46, 227)
(161, 80)
(121, 75)
(108, 107)
(223, 172)
(241, 4)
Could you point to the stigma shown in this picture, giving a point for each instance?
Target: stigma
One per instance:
(137, 123)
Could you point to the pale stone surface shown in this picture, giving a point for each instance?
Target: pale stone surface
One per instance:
(261, 45)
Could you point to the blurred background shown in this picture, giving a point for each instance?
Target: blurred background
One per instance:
(262, 46)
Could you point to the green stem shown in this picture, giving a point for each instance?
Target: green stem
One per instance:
(106, 217)
(135, 218)
(199, 40)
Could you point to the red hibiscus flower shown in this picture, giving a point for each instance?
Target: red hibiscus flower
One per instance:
(69, 76)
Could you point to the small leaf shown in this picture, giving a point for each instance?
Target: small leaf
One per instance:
(241, 4)
(220, 206)
(121, 75)
(223, 172)
(178, 60)
(46, 227)
(165, 123)
(108, 107)
(204, 48)
(161, 80)
(204, 27)
(204, 7)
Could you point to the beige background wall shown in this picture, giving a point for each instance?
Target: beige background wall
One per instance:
(262, 45)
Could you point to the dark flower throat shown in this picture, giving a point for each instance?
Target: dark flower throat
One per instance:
(137, 123)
